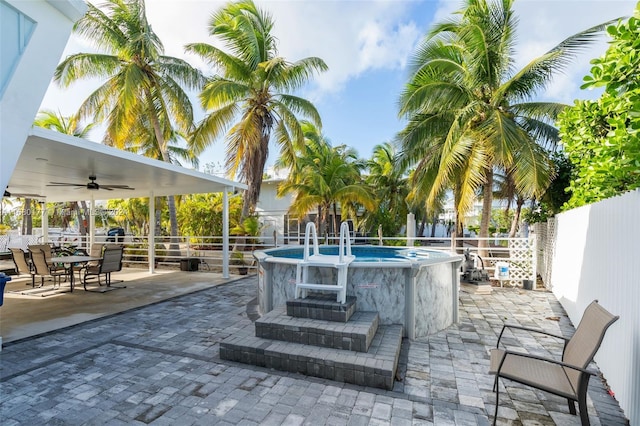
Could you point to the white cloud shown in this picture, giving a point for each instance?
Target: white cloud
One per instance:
(352, 37)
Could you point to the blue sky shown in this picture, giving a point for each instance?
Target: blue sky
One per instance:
(366, 45)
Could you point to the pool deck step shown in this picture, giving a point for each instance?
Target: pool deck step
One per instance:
(355, 335)
(322, 307)
(375, 368)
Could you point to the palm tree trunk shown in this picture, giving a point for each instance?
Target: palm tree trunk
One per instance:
(335, 220)
(254, 173)
(487, 200)
(27, 221)
(459, 228)
(174, 247)
(516, 217)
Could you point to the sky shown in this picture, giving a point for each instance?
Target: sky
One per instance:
(366, 45)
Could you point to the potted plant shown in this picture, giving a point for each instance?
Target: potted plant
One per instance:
(237, 259)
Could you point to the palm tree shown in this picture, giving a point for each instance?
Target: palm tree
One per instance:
(322, 177)
(249, 101)
(469, 112)
(69, 125)
(389, 183)
(141, 82)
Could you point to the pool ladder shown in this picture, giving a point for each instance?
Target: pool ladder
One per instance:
(340, 261)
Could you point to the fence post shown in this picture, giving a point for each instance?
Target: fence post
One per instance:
(533, 243)
(411, 229)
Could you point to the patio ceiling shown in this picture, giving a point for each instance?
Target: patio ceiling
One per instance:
(50, 156)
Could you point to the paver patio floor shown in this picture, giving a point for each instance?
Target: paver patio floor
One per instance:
(159, 365)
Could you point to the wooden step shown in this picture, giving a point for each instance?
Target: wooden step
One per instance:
(355, 335)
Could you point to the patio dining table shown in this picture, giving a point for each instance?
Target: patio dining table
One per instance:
(71, 261)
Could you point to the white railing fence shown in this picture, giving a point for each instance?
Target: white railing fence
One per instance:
(592, 253)
(206, 251)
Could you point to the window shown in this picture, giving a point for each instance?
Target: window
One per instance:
(16, 29)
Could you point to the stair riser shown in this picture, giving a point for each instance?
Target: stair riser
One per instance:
(317, 336)
(327, 309)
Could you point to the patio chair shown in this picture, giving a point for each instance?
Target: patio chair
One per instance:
(111, 262)
(48, 254)
(95, 250)
(22, 266)
(569, 377)
(44, 269)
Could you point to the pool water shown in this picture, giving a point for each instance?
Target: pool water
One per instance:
(367, 253)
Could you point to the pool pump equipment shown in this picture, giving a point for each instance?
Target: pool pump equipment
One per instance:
(471, 274)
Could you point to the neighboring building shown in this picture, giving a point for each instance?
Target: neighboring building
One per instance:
(33, 35)
(273, 212)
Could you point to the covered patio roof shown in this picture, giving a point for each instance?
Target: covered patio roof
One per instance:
(50, 156)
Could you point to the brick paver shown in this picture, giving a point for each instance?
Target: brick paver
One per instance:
(160, 365)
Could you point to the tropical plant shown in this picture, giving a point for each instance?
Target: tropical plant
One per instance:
(144, 89)
(324, 176)
(251, 96)
(601, 137)
(201, 214)
(389, 184)
(470, 112)
(69, 125)
(131, 214)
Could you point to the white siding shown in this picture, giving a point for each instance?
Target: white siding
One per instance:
(28, 83)
(597, 256)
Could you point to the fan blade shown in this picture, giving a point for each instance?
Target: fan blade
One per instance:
(22, 195)
(116, 187)
(65, 184)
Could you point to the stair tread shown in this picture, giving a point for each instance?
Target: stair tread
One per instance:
(356, 334)
(327, 260)
(319, 285)
(358, 321)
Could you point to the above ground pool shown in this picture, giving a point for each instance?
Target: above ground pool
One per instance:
(411, 286)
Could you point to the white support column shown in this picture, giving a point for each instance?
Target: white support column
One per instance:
(45, 222)
(92, 222)
(152, 232)
(225, 232)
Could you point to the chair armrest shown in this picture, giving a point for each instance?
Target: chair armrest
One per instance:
(541, 358)
(535, 330)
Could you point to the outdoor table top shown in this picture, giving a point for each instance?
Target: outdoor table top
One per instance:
(71, 260)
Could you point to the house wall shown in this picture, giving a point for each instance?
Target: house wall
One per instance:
(595, 255)
(31, 76)
(272, 210)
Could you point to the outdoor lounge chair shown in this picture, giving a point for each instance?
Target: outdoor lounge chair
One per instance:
(111, 262)
(22, 266)
(568, 378)
(44, 269)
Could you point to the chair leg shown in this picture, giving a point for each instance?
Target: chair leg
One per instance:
(582, 406)
(572, 406)
(497, 391)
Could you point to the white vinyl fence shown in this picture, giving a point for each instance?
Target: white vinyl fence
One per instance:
(596, 255)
